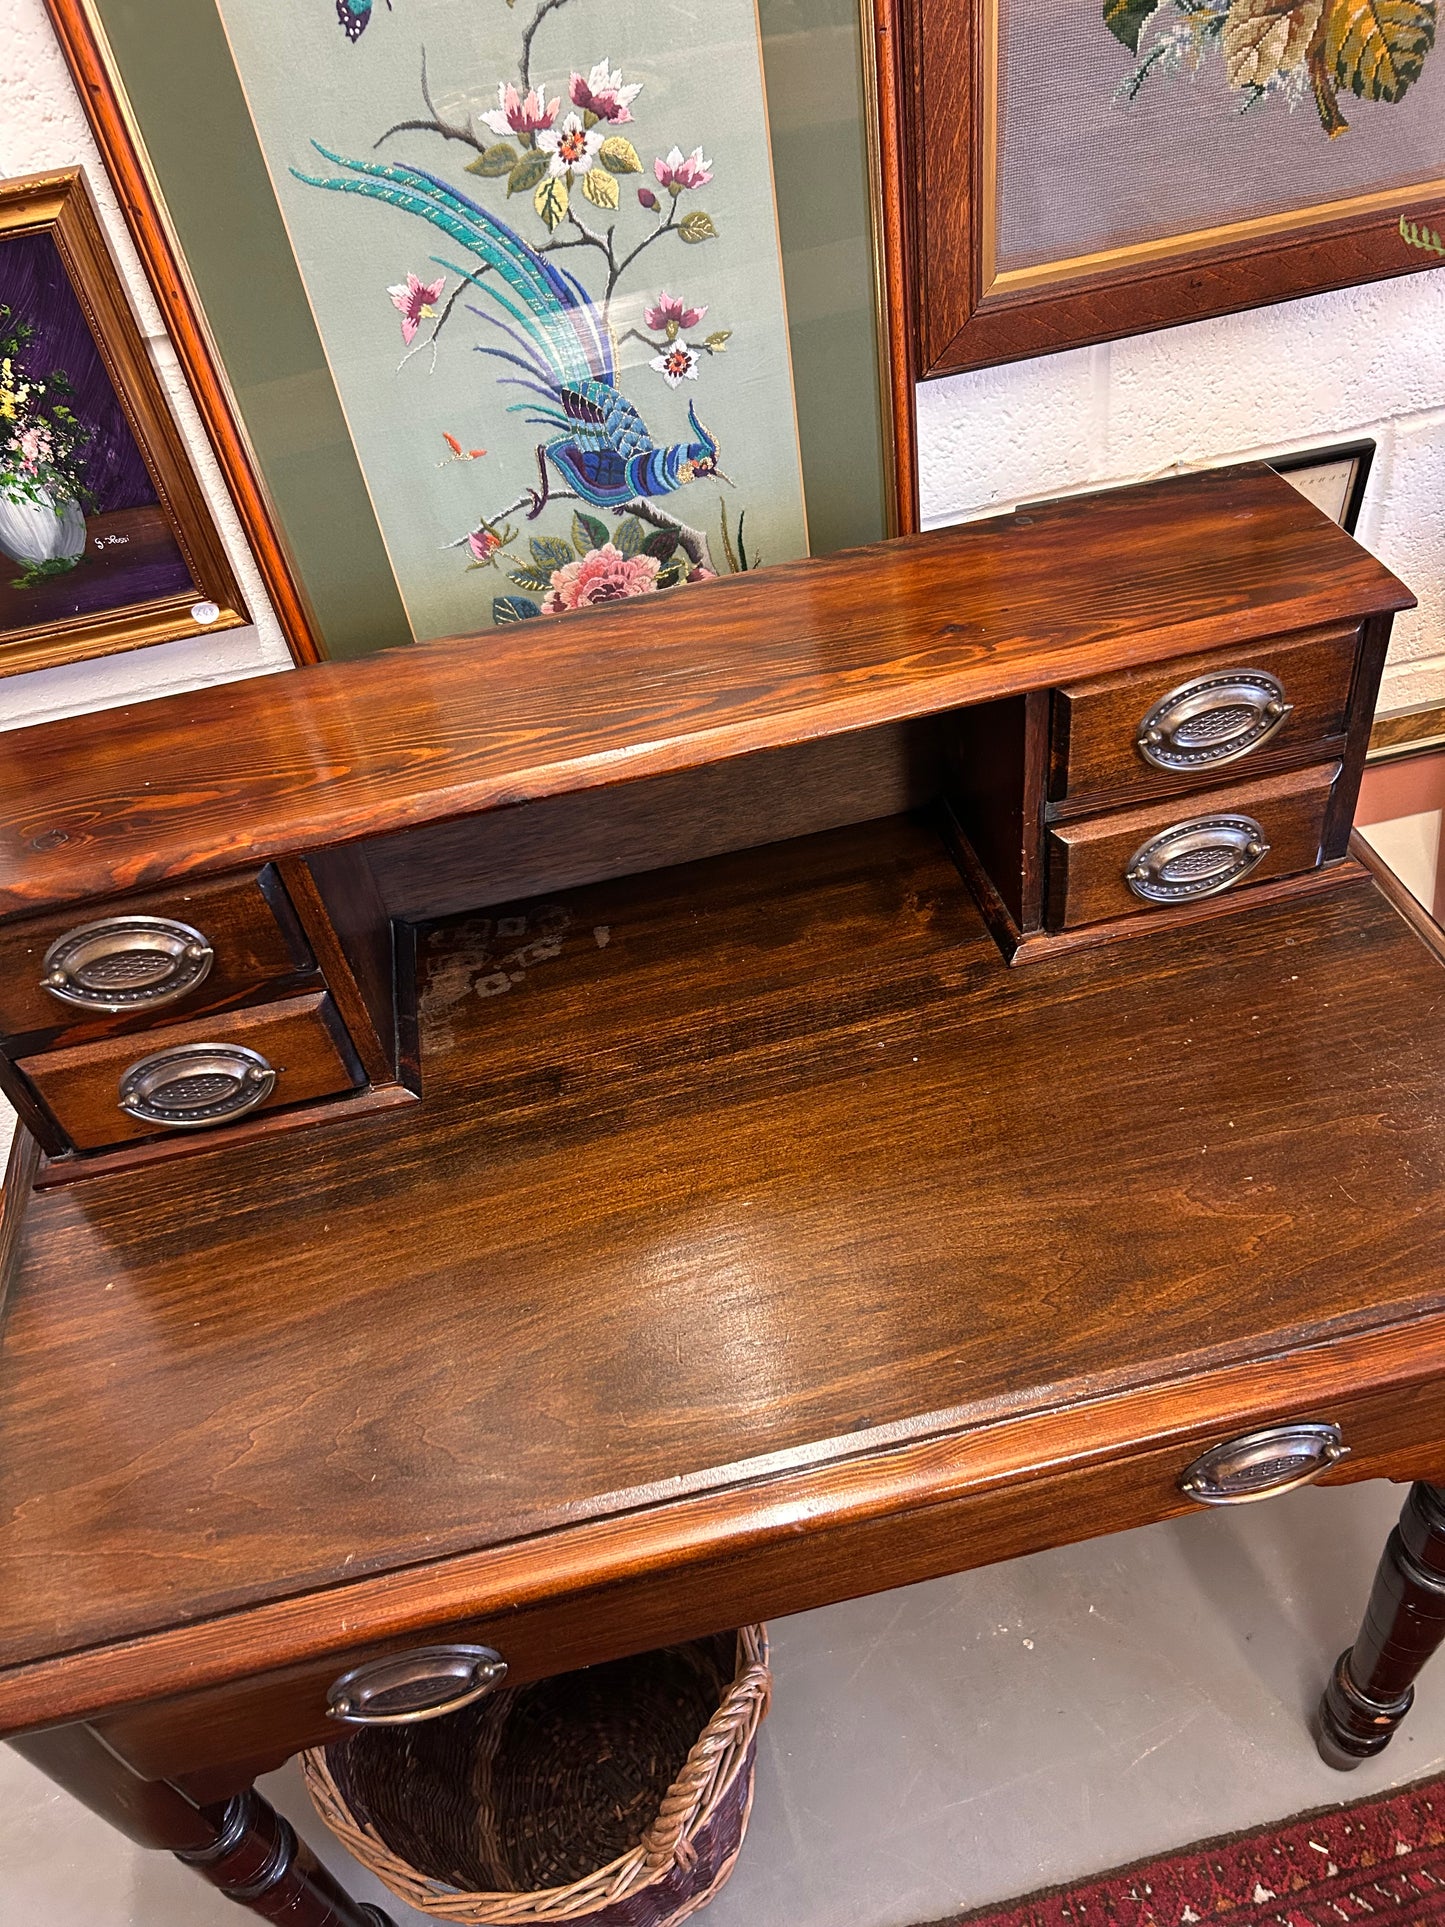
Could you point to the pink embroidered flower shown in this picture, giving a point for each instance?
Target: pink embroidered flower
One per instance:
(602, 575)
(675, 173)
(572, 147)
(603, 94)
(646, 196)
(679, 364)
(515, 114)
(670, 312)
(700, 574)
(483, 543)
(413, 300)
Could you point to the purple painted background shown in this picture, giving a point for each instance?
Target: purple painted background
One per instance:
(131, 555)
(34, 285)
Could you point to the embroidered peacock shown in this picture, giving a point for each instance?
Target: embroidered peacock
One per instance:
(558, 341)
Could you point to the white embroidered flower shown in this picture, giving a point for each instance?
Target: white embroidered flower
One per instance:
(678, 364)
(572, 147)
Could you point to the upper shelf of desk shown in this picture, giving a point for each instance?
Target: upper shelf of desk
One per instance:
(215, 780)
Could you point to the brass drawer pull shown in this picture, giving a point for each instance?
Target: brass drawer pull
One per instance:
(1263, 1464)
(126, 963)
(190, 1086)
(1213, 719)
(424, 1684)
(1197, 858)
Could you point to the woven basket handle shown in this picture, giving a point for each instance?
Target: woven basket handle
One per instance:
(721, 1744)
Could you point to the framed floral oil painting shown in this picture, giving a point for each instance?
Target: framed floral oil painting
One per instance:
(106, 542)
(504, 296)
(1123, 165)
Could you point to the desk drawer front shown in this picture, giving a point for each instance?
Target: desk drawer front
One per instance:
(197, 1076)
(1395, 1433)
(169, 952)
(1201, 717)
(1187, 848)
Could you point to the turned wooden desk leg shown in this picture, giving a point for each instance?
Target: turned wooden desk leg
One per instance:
(244, 1847)
(1372, 1686)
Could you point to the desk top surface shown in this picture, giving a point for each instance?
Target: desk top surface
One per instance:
(749, 1166)
(222, 777)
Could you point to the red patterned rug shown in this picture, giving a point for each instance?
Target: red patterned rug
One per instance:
(1381, 1861)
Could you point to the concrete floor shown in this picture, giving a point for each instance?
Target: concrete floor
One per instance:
(953, 1743)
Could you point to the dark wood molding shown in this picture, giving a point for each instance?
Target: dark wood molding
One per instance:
(878, 635)
(889, 91)
(963, 323)
(92, 68)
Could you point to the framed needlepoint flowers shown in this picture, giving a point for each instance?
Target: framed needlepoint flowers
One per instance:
(1099, 167)
(106, 542)
(524, 306)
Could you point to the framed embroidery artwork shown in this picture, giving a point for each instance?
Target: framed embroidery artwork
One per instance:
(503, 293)
(106, 542)
(1098, 170)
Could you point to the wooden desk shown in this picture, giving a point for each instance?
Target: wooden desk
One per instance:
(738, 1236)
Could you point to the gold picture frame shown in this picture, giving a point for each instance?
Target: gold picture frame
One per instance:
(106, 541)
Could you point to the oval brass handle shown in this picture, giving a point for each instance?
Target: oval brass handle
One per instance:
(126, 963)
(1212, 719)
(190, 1086)
(403, 1688)
(1197, 858)
(1263, 1464)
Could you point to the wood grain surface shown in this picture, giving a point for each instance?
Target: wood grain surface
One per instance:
(1088, 858)
(300, 1037)
(220, 777)
(1096, 722)
(731, 1185)
(247, 919)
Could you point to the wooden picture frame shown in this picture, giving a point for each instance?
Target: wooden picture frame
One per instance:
(179, 143)
(942, 62)
(106, 541)
(93, 72)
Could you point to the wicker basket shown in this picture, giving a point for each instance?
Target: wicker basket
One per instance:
(618, 1795)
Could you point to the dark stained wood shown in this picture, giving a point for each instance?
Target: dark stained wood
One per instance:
(965, 317)
(885, 1520)
(995, 792)
(1035, 945)
(92, 68)
(69, 1167)
(300, 1037)
(351, 931)
(595, 834)
(747, 1202)
(1088, 858)
(21, 1165)
(889, 85)
(1373, 1684)
(1096, 722)
(249, 922)
(346, 751)
(1364, 694)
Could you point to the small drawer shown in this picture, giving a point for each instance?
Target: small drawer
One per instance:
(169, 952)
(1151, 729)
(198, 1076)
(1187, 848)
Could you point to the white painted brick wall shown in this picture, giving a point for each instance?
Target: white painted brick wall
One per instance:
(1361, 361)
